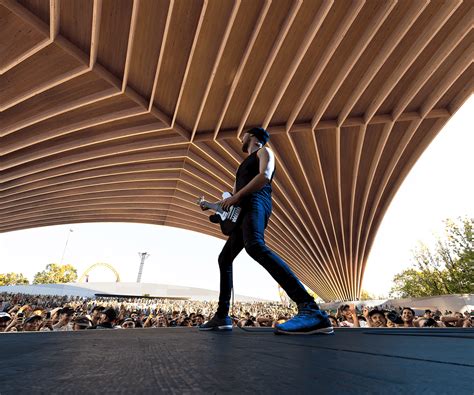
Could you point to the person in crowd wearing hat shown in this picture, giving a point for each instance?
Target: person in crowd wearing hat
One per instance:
(80, 323)
(128, 323)
(5, 318)
(377, 319)
(4, 305)
(32, 323)
(253, 193)
(107, 319)
(96, 313)
(65, 317)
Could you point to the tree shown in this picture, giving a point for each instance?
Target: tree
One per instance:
(448, 269)
(55, 273)
(365, 295)
(13, 279)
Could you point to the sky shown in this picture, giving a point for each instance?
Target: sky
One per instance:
(439, 186)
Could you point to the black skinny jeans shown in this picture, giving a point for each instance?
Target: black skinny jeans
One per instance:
(250, 235)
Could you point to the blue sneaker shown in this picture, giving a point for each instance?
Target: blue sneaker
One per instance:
(308, 321)
(217, 324)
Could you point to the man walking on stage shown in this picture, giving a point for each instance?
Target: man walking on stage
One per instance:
(253, 193)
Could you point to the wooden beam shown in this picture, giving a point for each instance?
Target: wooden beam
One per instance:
(242, 64)
(93, 153)
(190, 59)
(40, 88)
(356, 227)
(394, 159)
(352, 60)
(25, 55)
(222, 47)
(346, 23)
(414, 10)
(326, 256)
(269, 62)
(410, 56)
(302, 50)
(449, 44)
(131, 41)
(27, 16)
(458, 68)
(95, 32)
(343, 253)
(53, 19)
(162, 50)
(354, 236)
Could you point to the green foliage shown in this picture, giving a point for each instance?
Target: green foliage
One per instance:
(365, 295)
(55, 273)
(13, 279)
(448, 269)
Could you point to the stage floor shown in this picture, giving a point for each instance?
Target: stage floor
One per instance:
(183, 360)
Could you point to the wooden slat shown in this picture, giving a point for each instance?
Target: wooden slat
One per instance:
(131, 41)
(420, 43)
(458, 34)
(308, 39)
(458, 68)
(27, 16)
(229, 27)
(271, 58)
(40, 72)
(83, 90)
(415, 9)
(20, 40)
(346, 23)
(242, 64)
(96, 19)
(360, 47)
(190, 58)
(53, 19)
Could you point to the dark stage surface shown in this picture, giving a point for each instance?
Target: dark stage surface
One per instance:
(183, 360)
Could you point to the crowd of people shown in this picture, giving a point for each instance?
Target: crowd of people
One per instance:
(29, 313)
(395, 317)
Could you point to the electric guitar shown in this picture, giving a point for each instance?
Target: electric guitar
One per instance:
(228, 220)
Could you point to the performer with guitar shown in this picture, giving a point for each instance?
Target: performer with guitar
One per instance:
(253, 194)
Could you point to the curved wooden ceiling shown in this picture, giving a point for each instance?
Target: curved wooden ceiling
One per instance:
(127, 110)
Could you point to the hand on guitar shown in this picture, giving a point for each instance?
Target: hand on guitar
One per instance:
(226, 218)
(202, 203)
(226, 204)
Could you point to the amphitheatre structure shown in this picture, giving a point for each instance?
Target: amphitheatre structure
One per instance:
(128, 110)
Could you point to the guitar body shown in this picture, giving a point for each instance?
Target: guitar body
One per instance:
(228, 220)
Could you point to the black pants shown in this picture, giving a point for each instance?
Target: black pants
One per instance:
(250, 235)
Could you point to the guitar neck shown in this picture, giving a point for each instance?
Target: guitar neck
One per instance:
(212, 206)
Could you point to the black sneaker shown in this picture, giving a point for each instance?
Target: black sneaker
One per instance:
(308, 321)
(217, 324)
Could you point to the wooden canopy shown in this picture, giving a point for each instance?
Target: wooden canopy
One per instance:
(128, 110)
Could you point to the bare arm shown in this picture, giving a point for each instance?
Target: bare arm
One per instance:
(354, 316)
(458, 321)
(13, 322)
(147, 323)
